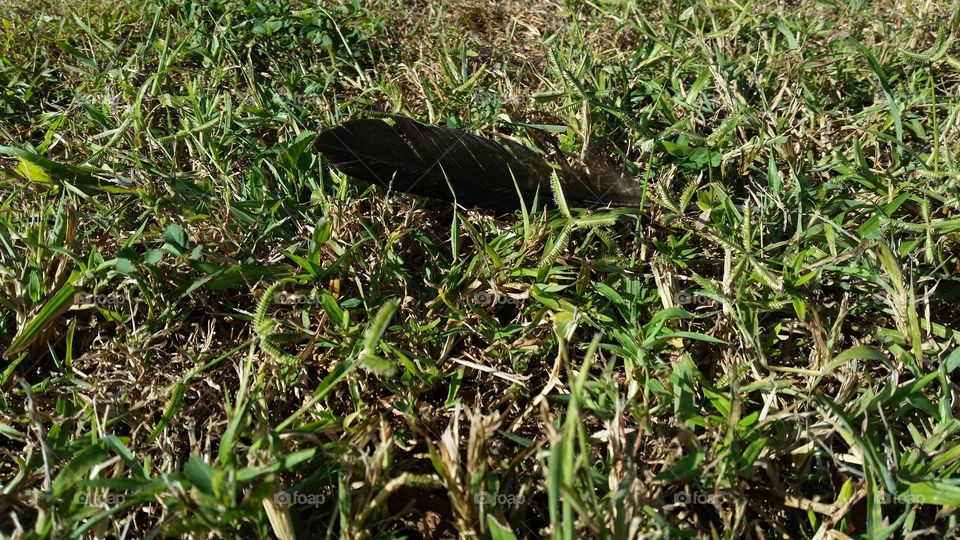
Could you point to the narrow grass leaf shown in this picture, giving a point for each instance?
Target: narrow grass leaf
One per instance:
(51, 311)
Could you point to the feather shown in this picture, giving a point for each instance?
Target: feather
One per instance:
(452, 165)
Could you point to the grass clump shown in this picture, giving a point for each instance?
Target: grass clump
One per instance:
(207, 330)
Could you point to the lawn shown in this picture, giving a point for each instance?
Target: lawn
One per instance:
(208, 331)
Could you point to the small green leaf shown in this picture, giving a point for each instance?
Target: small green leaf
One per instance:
(76, 471)
(953, 361)
(176, 238)
(33, 173)
(942, 493)
(499, 531)
(200, 474)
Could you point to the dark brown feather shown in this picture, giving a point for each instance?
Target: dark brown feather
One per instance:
(452, 165)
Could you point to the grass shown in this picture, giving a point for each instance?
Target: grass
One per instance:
(208, 331)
